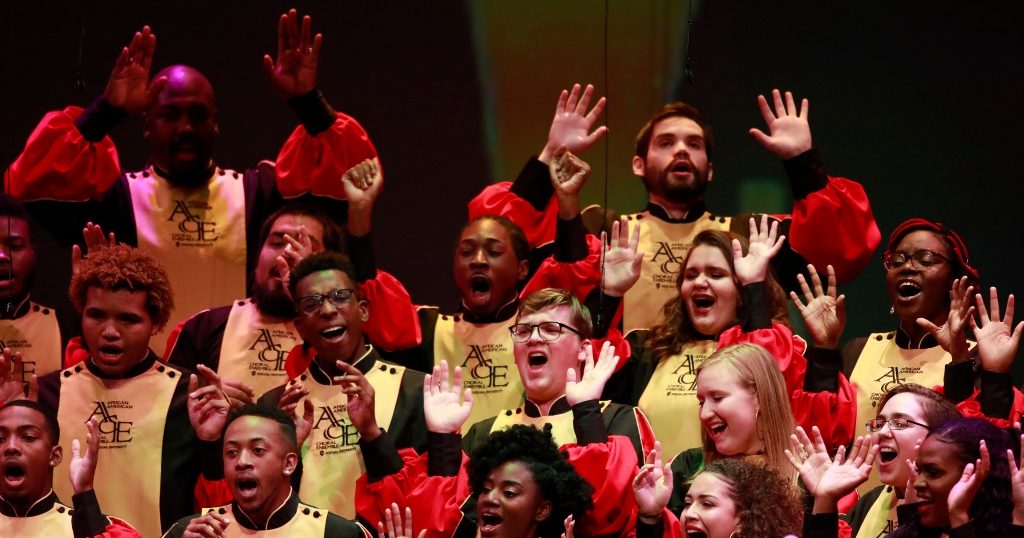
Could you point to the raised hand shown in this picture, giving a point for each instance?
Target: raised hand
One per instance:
(393, 520)
(595, 375)
(910, 493)
(997, 338)
(304, 422)
(832, 479)
(652, 486)
(441, 407)
(207, 406)
(294, 73)
(83, 468)
(810, 459)
(569, 526)
(360, 401)
(238, 393)
(362, 185)
(952, 335)
(1017, 484)
(571, 126)
(94, 241)
(568, 174)
(128, 87)
(824, 314)
(790, 132)
(621, 259)
(963, 491)
(210, 525)
(10, 388)
(763, 247)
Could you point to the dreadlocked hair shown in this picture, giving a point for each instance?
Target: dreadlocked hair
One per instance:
(121, 267)
(768, 505)
(559, 483)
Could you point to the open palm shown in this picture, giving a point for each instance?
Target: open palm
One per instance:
(764, 245)
(442, 408)
(997, 339)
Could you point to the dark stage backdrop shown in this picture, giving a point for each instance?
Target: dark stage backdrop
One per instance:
(920, 102)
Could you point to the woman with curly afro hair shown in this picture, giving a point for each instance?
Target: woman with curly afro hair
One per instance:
(518, 484)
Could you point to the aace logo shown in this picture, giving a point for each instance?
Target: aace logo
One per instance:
(336, 429)
(111, 429)
(892, 379)
(485, 370)
(192, 225)
(686, 371)
(272, 352)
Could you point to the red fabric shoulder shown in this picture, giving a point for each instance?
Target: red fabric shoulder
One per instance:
(610, 468)
(297, 361)
(971, 408)
(579, 277)
(671, 527)
(58, 163)
(315, 164)
(498, 199)
(172, 338)
(780, 341)
(211, 493)
(74, 353)
(119, 528)
(393, 322)
(835, 226)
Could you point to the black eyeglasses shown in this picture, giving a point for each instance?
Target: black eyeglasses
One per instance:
(312, 303)
(549, 330)
(895, 424)
(922, 259)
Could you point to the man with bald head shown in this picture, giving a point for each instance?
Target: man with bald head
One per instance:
(201, 221)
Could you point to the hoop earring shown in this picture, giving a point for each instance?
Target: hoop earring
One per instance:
(733, 534)
(757, 424)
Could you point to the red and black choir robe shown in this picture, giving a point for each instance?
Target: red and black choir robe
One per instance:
(49, 518)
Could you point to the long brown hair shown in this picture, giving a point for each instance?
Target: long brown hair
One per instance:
(677, 330)
(758, 371)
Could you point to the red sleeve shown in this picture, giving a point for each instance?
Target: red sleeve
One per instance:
(780, 341)
(316, 163)
(610, 468)
(119, 528)
(845, 531)
(498, 199)
(172, 339)
(670, 525)
(835, 226)
(297, 361)
(971, 408)
(74, 353)
(579, 277)
(835, 414)
(58, 163)
(394, 322)
(211, 493)
(435, 501)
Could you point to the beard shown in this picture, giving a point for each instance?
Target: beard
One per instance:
(273, 302)
(675, 191)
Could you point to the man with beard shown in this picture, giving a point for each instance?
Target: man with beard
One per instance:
(261, 451)
(41, 333)
(831, 223)
(347, 398)
(28, 506)
(182, 207)
(249, 339)
(159, 430)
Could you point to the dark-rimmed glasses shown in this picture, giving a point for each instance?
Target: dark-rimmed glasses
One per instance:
(549, 330)
(311, 304)
(922, 259)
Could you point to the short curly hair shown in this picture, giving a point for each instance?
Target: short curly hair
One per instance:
(122, 267)
(558, 480)
(768, 505)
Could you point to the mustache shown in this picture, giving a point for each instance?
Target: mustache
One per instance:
(187, 139)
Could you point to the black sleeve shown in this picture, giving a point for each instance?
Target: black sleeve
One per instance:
(70, 324)
(996, 396)
(649, 530)
(963, 531)
(623, 387)
(758, 312)
(419, 358)
(444, 454)
(958, 380)
(87, 520)
(806, 174)
(788, 263)
(99, 119)
(313, 111)
(360, 251)
(851, 352)
(200, 339)
(823, 367)
(381, 457)
(588, 423)
(621, 420)
(570, 240)
(113, 212)
(477, 436)
(339, 527)
(602, 310)
(534, 184)
(821, 525)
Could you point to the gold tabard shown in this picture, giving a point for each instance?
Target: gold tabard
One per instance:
(331, 460)
(670, 399)
(484, 351)
(37, 336)
(131, 414)
(305, 525)
(561, 425)
(881, 517)
(198, 235)
(665, 245)
(55, 523)
(883, 365)
(255, 346)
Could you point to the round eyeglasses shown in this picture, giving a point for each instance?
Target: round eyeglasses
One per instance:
(311, 304)
(549, 330)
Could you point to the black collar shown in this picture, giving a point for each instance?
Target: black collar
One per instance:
(191, 180)
(138, 369)
(561, 406)
(695, 212)
(363, 364)
(41, 506)
(505, 313)
(903, 340)
(278, 519)
(15, 307)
